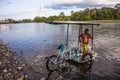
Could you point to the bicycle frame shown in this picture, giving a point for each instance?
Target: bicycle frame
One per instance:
(56, 60)
(70, 55)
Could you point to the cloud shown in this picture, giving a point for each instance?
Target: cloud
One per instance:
(15, 14)
(2, 0)
(5, 2)
(68, 4)
(9, 3)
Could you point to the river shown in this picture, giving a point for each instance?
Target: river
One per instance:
(31, 41)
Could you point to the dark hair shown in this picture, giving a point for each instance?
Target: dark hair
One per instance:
(86, 30)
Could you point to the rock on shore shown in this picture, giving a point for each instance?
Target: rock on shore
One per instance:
(10, 68)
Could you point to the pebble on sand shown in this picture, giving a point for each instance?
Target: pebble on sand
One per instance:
(20, 68)
(11, 68)
(21, 78)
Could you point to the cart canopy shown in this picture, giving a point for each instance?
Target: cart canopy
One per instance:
(73, 22)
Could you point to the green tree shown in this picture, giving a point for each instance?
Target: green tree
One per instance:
(117, 6)
(10, 20)
(72, 12)
(37, 19)
(26, 20)
(40, 19)
(62, 14)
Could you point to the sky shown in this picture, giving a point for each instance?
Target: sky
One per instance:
(25, 9)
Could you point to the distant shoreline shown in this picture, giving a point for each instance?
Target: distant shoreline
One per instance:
(103, 21)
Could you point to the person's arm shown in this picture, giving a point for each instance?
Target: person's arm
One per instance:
(90, 36)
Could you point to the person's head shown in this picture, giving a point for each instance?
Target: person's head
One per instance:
(86, 31)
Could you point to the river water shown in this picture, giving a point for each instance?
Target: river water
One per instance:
(35, 40)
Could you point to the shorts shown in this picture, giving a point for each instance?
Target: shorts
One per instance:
(84, 47)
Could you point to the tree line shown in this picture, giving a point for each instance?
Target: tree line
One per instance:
(104, 13)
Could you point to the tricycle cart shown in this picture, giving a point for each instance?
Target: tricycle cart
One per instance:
(71, 54)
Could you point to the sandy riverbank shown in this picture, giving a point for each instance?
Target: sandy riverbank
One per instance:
(10, 67)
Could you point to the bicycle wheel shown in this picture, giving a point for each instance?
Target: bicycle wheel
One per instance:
(50, 66)
(87, 64)
(55, 75)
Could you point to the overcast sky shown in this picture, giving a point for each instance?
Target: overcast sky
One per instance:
(21, 9)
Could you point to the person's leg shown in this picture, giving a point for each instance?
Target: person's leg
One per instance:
(83, 48)
(86, 48)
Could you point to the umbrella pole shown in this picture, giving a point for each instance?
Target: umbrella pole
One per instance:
(79, 40)
(92, 39)
(67, 35)
(80, 37)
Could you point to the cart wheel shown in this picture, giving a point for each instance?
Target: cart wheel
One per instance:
(55, 75)
(50, 66)
(86, 56)
(87, 64)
